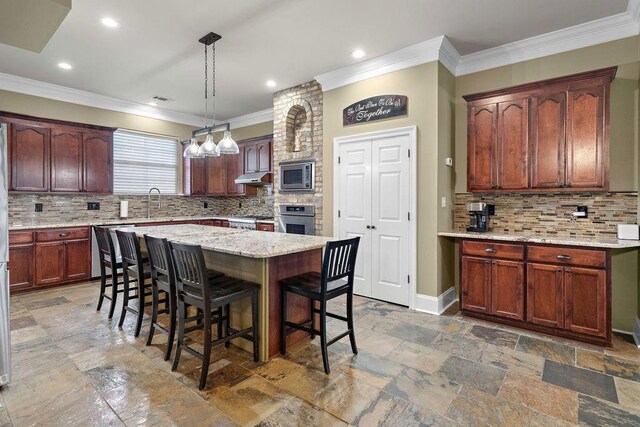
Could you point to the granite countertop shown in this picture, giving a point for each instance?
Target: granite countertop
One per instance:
(235, 241)
(15, 227)
(593, 242)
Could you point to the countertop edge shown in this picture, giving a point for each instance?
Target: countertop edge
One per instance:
(560, 241)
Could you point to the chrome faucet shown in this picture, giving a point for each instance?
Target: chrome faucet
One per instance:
(149, 201)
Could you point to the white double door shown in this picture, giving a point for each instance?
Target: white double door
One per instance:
(374, 203)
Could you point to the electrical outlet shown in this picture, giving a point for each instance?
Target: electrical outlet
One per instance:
(38, 207)
(206, 205)
(93, 206)
(443, 202)
(240, 205)
(581, 212)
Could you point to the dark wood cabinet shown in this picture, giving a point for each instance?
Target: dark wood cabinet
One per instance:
(235, 168)
(21, 251)
(61, 157)
(49, 257)
(29, 156)
(548, 118)
(263, 226)
(66, 161)
(548, 135)
(198, 177)
(98, 162)
(216, 174)
(49, 263)
(568, 289)
(476, 291)
(257, 155)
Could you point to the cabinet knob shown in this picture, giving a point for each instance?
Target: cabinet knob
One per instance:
(490, 250)
(63, 234)
(368, 227)
(373, 227)
(563, 257)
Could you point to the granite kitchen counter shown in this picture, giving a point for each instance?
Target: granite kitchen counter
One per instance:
(235, 241)
(123, 221)
(593, 242)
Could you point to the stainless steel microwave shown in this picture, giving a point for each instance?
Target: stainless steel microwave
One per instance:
(297, 175)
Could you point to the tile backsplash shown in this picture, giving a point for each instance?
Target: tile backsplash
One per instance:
(543, 214)
(73, 208)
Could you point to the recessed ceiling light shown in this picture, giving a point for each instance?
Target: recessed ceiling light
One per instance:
(153, 104)
(110, 22)
(65, 65)
(358, 53)
(271, 83)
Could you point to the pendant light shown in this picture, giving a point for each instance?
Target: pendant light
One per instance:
(193, 151)
(227, 145)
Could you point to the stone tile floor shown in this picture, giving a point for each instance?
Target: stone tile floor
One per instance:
(72, 366)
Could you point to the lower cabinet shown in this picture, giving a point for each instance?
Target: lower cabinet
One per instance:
(566, 289)
(261, 226)
(48, 257)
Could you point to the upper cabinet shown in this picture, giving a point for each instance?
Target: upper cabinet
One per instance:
(51, 156)
(551, 135)
(215, 176)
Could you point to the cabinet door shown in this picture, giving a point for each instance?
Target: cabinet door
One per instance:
(507, 289)
(29, 148)
(548, 140)
(77, 259)
(263, 152)
(585, 300)
(20, 266)
(198, 178)
(586, 162)
(216, 176)
(251, 158)
(66, 161)
(49, 263)
(235, 168)
(98, 162)
(545, 295)
(482, 136)
(476, 284)
(513, 145)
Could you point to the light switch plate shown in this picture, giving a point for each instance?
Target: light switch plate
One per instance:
(443, 202)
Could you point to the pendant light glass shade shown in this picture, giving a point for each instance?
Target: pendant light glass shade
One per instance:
(209, 148)
(193, 151)
(228, 145)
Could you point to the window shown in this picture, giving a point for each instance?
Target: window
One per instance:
(142, 161)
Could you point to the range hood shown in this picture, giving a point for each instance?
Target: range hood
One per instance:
(258, 179)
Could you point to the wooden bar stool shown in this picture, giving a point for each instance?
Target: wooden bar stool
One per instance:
(108, 261)
(338, 263)
(133, 272)
(163, 281)
(195, 288)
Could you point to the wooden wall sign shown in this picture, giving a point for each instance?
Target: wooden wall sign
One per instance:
(375, 108)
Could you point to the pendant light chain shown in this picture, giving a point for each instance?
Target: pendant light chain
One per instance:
(206, 78)
(213, 82)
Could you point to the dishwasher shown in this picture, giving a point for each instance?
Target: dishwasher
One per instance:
(95, 254)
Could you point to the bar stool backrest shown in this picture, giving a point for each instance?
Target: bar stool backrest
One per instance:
(105, 248)
(191, 273)
(160, 259)
(339, 261)
(129, 249)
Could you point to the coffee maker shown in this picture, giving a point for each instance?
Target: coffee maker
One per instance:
(479, 214)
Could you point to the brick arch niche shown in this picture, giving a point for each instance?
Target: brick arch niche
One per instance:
(299, 132)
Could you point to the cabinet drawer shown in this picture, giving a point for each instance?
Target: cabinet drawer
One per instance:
(493, 250)
(62, 234)
(265, 226)
(568, 256)
(16, 237)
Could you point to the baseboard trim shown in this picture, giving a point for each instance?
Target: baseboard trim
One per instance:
(436, 305)
(636, 332)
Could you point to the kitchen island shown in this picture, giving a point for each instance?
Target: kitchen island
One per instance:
(259, 257)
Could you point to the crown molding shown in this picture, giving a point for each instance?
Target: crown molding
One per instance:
(252, 118)
(419, 53)
(60, 93)
(619, 26)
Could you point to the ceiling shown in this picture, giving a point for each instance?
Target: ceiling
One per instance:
(155, 50)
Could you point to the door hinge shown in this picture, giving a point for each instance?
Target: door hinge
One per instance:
(338, 213)
(338, 159)
(408, 279)
(409, 216)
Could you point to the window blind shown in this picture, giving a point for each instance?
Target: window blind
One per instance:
(142, 161)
